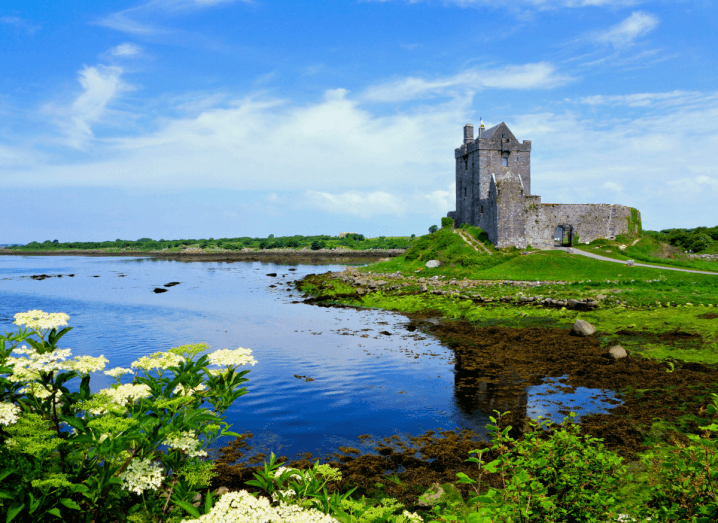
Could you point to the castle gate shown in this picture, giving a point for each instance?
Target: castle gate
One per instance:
(563, 235)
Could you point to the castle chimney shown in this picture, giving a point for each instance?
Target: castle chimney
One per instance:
(468, 133)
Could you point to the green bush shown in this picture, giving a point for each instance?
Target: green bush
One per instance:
(433, 229)
(447, 222)
(316, 245)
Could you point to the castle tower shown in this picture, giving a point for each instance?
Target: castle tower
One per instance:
(468, 133)
(495, 151)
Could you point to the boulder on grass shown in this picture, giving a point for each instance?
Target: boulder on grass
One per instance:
(630, 263)
(582, 328)
(617, 352)
(431, 496)
(432, 264)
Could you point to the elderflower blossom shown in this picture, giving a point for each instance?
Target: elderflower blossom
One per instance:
(38, 391)
(186, 441)
(141, 475)
(181, 390)
(158, 360)
(28, 369)
(231, 358)
(242, 507)
(8, 413)
(41, 321)
(84, 365)
(122, 394)
(118, 371)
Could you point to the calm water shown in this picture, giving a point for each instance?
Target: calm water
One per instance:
(365, 382)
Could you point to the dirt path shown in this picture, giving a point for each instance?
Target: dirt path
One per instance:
(471, 242)
(604, 258)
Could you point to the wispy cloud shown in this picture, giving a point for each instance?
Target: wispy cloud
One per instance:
(540, 75)
(126, 49)
(625, 33)
(141, 19)
(100, 86)
(19, 23)
(540, 4)
(644, 99)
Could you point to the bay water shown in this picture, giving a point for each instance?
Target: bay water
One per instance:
(324, 376)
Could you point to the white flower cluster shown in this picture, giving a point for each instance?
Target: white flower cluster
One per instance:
(84, 365)
(242, 507)
(232, 358)
(122, 394)
(181, 390)
(8, 413)
(118, 371)
(282, 470)
(158, 360)
(141, 475)
(186, 441)
(27, 369)
(39, 320)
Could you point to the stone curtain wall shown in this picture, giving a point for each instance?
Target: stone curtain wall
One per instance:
(589, 221)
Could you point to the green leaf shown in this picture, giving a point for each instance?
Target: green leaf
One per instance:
(70, 504)
(6, 473)
(208, 502)
(13, 511)
(5, 495)
(55, 512)
(189, 507)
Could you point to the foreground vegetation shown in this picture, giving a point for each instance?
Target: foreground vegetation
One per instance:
(351, 241)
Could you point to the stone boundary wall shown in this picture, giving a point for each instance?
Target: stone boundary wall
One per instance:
(589, 221)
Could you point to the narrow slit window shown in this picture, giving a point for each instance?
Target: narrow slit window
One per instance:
(482, 209)
(464, 193)
(505, 162)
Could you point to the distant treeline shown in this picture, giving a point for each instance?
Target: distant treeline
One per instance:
(351, 241)
(696, 240)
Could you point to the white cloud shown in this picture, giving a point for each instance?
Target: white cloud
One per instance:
(625, 33)
(356, 203)
(126, 49)
(141, 19)
(100, 85)
(540, 75)
(540, 4)
(19, 23)
(643, 99)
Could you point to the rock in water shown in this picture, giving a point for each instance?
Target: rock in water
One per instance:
(617, 352)
(431, 264)
(582, 328)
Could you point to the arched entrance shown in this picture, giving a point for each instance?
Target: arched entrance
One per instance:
(563, 235)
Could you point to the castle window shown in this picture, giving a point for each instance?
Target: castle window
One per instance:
(505, 162)
(464, 193)
(482, 209)
(517, 157)
(503, 135)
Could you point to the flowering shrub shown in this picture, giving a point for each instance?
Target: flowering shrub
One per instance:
(132, 452)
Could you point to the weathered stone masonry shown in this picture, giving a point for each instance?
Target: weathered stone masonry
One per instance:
(493, 191)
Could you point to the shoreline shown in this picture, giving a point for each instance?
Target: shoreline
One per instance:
(291, 256)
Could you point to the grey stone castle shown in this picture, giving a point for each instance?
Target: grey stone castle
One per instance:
(493, 191)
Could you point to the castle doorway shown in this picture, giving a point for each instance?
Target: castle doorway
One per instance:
(563, 235)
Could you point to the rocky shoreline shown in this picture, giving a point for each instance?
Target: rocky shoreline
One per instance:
(464, 289)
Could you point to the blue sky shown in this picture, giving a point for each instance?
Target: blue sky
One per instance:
(221, 118)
